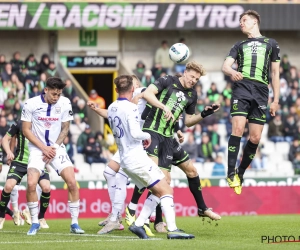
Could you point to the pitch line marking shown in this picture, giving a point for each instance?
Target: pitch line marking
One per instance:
(82, 235)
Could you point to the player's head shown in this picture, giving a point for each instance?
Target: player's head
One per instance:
(248, 20)
(53, 89)
(124, 84)
(193, 72)
(136, 81)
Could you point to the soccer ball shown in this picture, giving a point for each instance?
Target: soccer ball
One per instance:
(179, 52)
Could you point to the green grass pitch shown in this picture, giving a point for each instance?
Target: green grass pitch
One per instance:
(241, 232)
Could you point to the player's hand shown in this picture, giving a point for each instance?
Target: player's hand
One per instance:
(10, 157)
(236, 76)
(273, 108)
(49, 152)
(92, 105)
(147, 143)
(47, 160)
(215, 107)
(0, 168)
(168, 114)
(180, 136)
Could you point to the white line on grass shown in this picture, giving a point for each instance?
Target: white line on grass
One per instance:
(71, 241)
(69, 234)
(81, 235)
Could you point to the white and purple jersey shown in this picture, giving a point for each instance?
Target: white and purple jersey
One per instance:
(124, 120)
(46, 118)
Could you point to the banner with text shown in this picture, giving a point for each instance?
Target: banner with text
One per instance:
(150, 16)
(252, 201)
(182, 183)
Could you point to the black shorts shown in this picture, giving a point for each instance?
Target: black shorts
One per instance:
(167, 149)
(18, 170)
(250, 99)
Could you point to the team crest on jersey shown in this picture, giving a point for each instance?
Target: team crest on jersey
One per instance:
(57, 110)
(47, 124)
(190, 94)
(180, 96)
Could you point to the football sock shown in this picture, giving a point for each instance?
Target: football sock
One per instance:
(196, 190)
(233, 150)
(74, 210)
(120, 195)
(158, 217)
(132, 208)
(14, 197)
(9, 212)
(3, 204)
(34, 210)
(248, 155)
(110, 176)
(149, 205)
(44, 203)
(167, 206)
(137, 193)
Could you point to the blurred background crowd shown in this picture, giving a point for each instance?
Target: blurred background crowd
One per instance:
(23, 76)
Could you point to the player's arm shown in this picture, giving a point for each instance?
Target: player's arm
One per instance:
(136, 99)
(96, 109)
(47, 150)
(191, 120)
(275, 65)
(229, 71)
(13, 143)
(63, 133)
(227, 65)
(276, 87)
(149, 96)
(135, 130)
(6, 141)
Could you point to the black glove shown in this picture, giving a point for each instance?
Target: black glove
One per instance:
(208, 112)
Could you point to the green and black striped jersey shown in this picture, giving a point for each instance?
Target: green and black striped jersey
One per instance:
(254, 56)
(22, 147)
(178, 99)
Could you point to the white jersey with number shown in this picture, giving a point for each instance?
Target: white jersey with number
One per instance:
(124, 120)
(46, 118)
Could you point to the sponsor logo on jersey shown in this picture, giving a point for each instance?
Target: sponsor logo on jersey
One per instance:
(254, 47)
(48, 119)
(180, 96)
(174, 105)
(262, 107)
(169, 157)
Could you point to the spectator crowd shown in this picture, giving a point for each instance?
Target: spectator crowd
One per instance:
(23, 79)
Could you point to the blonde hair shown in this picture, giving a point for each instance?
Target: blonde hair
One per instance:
(196, 67)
